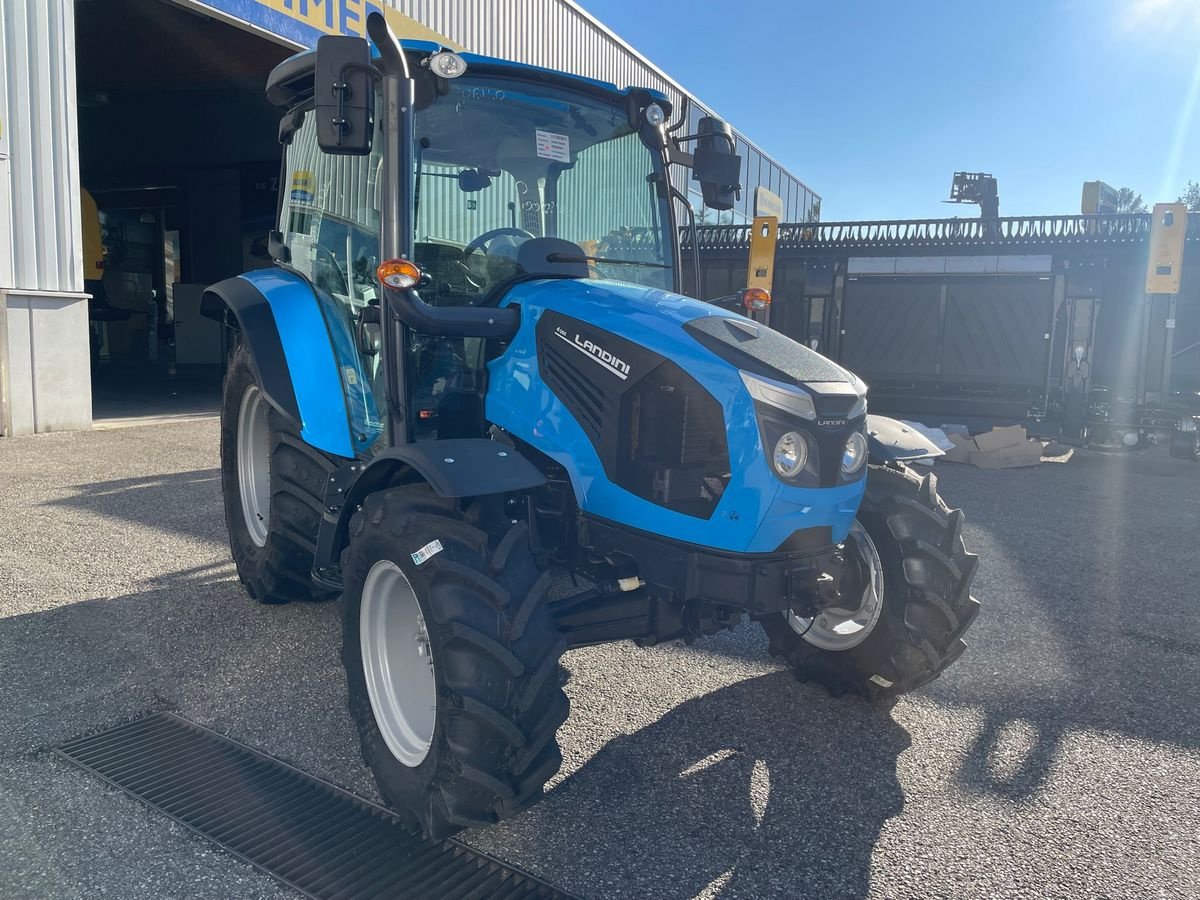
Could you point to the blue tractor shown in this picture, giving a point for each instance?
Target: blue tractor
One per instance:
(469, 399)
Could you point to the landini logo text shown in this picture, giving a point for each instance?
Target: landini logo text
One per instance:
(610, 361)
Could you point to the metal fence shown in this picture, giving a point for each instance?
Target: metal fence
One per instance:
(1014, 231)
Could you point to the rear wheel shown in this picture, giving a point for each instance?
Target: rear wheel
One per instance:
(274, 486)
(451, 658)
(907, 596)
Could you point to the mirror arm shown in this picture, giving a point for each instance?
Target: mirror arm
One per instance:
(678, 157)
(682, 198)
(695, 137)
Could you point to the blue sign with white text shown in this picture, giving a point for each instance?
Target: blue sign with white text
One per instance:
(300, 21)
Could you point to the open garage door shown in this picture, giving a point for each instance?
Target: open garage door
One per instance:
(951, 343)
(179, 161)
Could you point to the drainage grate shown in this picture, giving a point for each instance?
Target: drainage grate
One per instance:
(308, 833)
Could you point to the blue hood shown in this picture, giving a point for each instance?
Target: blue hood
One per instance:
(756, 513)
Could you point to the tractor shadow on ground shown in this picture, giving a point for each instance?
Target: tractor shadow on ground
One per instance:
(1086, 575)
(737, 792)
(192, 642)
(183, 503)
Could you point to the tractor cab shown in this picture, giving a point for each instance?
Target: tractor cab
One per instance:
(498, 173)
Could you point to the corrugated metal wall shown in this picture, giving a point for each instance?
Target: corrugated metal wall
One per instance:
(557, 34)
(343, 186)
(560, 34)
(41, 236)
(40, 242)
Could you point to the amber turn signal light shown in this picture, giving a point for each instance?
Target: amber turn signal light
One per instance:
(755, 299)
(398, 273)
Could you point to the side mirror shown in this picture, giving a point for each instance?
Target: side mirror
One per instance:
(369, 340)
(716, 166)
(344, 90)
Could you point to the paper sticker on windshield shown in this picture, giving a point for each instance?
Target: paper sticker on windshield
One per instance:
(553, 146)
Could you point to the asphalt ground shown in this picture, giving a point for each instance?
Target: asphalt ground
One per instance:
(1060, 757)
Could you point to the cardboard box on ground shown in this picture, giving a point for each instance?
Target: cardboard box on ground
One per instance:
(1008, 447)
(961, 451)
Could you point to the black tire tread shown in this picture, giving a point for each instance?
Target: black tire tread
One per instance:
(533, 600)
(501, 723)
(280, 572)
(917, 638)
(495, 747)
(514, 536)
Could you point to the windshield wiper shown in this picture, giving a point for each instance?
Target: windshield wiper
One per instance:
(571, 257)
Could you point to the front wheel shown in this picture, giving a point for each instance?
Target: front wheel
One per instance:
(907, 596)
(451, 658)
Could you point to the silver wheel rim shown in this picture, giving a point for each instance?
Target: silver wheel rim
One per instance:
(397, 663)
(254, 464)
(842, 629)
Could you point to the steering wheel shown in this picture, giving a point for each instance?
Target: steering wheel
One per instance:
(478, 243)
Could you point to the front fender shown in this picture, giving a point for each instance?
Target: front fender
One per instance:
(304, 356)
(459, 467)
(892, 441)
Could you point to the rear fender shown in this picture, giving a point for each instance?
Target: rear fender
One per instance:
(301, 351)
(892, 441)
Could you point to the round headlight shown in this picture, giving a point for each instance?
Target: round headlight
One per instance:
(447, 64)
(655, 115)
(855, 453)
(791, 453)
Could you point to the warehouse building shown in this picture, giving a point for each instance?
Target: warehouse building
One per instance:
(139, 162)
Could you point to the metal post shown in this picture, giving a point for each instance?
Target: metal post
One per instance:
(1060, 291)
(1169, 347)
(837, 310)
(6, 426)
(1144, 345)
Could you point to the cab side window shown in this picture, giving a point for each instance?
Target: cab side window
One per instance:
(330, 216)
(329, 220)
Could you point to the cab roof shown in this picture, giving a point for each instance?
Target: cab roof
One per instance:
(291, 82)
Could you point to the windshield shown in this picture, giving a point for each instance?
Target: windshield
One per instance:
(501, 162)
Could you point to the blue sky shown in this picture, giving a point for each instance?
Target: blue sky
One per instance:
(876, 103)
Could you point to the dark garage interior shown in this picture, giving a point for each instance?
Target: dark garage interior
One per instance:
(178, 147)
